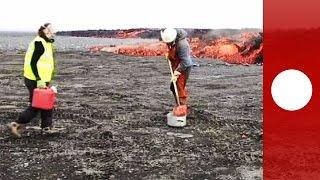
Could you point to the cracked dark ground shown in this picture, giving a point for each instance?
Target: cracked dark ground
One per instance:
(113, 108)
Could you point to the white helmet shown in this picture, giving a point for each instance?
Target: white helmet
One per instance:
(168, 35)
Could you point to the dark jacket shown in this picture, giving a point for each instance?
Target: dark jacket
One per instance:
(183, 51)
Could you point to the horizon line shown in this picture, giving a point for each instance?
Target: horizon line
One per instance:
(31, 31)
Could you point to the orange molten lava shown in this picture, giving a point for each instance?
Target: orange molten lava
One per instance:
(244, 49)
(126, 34)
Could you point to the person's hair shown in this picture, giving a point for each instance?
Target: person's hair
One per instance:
(40, 31)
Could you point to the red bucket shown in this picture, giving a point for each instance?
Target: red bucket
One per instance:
(44, 98)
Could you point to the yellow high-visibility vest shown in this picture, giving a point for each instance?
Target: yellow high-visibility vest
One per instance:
(45, 64)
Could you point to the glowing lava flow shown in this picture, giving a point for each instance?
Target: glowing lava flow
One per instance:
(245, 48)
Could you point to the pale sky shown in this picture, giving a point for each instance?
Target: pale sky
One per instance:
(28, 15)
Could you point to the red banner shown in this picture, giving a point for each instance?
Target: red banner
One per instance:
(292, 41)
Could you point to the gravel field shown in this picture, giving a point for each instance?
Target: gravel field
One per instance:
(113, 108)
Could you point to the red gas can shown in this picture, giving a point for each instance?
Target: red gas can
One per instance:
(43, 98)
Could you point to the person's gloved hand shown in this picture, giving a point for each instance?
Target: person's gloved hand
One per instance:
(174, 78)
(176, 73)
(166, 55)
(41, 84)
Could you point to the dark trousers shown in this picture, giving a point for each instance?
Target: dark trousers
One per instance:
(30, 113)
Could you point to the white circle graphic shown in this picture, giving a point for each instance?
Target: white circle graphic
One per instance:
(291, 90)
